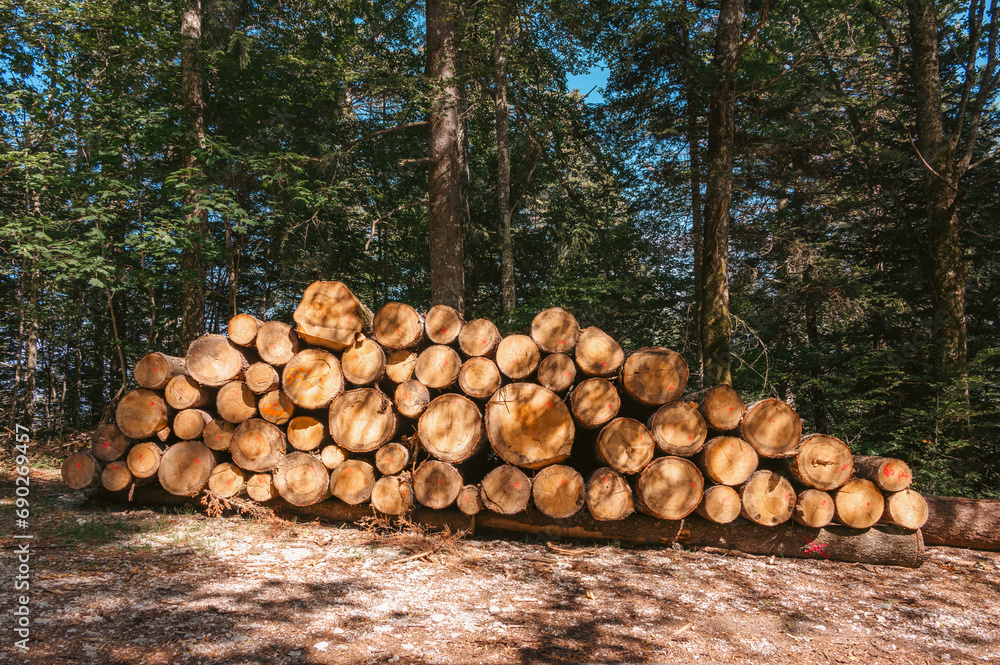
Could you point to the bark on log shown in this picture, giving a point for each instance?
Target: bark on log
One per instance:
(332, 456)
(608, 495)
(411, 398)
(306, 433)
(813, 508)
(517, 357)
(312, 379)
(141, 413)
(555, 330)
(218, 434)
(727, 460)
(625, 445)
(363, 362)
(597, 354)
(183, 392)
(824, 462)
(144, 459)
(185, 468)
(213, 361)
(678, 429)
(772, 428)
(469, 501)
(529, 426)
(888, 473)
(768, 498)
(330, 316)
(257, 445)
(275, 407)
(654, 376)
(116, 477)
(398, 326)
(392, 458)
(242, 329)
(594, 403)
(226, 480)
(720, 406)
(443, 324)
(557, 372)
(558, 491)
(905, 508)
(859, 504)
(109, 443)
(451, 428)
(437, 367)
(301, 479)
(276, 343)
(235, 402)
(80, 470)
(478, 338)
(479, 377)
(392, 495)
(506, 490)
(720, 504)
(669, 488)
(436, 484)
(155, 370)
(262, 378)
(399, 365)
(362, 420)
(960, 522)
(190, 424)
(260, 487)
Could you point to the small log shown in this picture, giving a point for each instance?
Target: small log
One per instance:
(905, 508)
(598, 354)
(352, 482)
(437, 367)
(183, 392)
(260, 487)
(768, 498)
(517, 357)
(276, 343)
(275, 407)
(312, 379)
(436, 484)
(155, 370)
(116, 476)
(479, 377)
(505, 490)
(594, 403)
(226, 480)
(859, 504)
(399, 365)
(888, 473)
(720, 406)
(306, 433)
(678, 429)
(961, 522)
(479, 338)
(362, 420)
(411, 398)
(185, 468)
(443, 324)
(363, 362)
(558, 491)
(301, 479)
(669, 488)
(625, 445)
(392, 495)
(654, 376)
(813, 508)
(398, 326)
(213, 361)
(190, 423)
(392, 458)
(235, 402)
(218, 433)
(144, 459)
(242, 329)
(451, 428)
(469, 501)
(557, 372)
(529, 426)
(262, 378)
(609, 496)
(330, 316)
(824, 462)
(332, 456)
(108, 443)
(141, 413)
(80, 470)
(727, 460)
(772, 428)
(257, 445)
(555, 330)
(719, 504)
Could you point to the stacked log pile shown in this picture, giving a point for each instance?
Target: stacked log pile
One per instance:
(398, 409)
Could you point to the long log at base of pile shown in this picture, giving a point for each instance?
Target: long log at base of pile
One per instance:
(961, 522)
(879, 545)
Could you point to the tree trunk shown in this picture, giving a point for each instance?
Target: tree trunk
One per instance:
(558, 491)
(669, 488)
(557, 372)
(479, 338)
(436, 484)
(506, 490)
(437, 367)
(363, 362)
(505, 212)
(362, 420)
(329, 315)
(411, 398)
(594, 403)
(443, 324)
(694, 167)
(517, 357)
(654, 376)
(276, 343)
(609, 496)
(392, 458)
(859, 504)
(183, 392)
(625, 445)
(185, 468)
(727, 460)
(598, 354)
(958, 522)
(555, 330)
(261, 378)
(824, 462)
(768, 498)
(451, 428)
(479, 378)
(312, 379)
(155, 370)
(720, 504)
(398, 326)
(678, 429)
(109, 443)
(529, 426)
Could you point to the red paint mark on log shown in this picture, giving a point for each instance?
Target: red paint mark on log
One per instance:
(78, 465)
(517, 485)
(107, 443)
(197, 461)
(550, 404)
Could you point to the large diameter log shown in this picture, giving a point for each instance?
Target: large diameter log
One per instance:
(529, 426)
(772, 428)
(260, 487)
(399, 365)
(437, 367)
(276, 343)
(312, 379)
(598, 354)
(727, 460)
(218, 433)
(144, 459)
(185, 468)
(363, 362)
(116, 476)
(443, 324)
(889, 473)
(190, 424)
(108, 442)
(392, 495)
(608, 495)
(411, 398)
(275, 407)
(257, 445)
(301, 479)
(905, 508)
(813, 508)
(654, 376)
(720, 406)
(155, 370)
(262, 378)
(469, 501)
(719, 504)
(392, 458)
(330, 316)
(558, 491)
(80, 470)
(436, 484)
(478, 338)
(226, 480)
(183, 392)
(235, 402)
(859, 504)
(362, 420)
(555, 330)
(625, 445)
(479, 377)
(398, 326)
(678, 429)
(242, 329)
(306, 433)
(517, 357)
(824, 462)
(213, 361)
(451, 428)
(332, 456)
(594, 403)
(669, 488)
(768, 498)
(141, 413)
(505, 490)
(961, 522)
(557, 372)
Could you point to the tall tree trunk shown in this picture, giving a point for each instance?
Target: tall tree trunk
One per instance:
(193, 269)
(29, 313)
(694, 165)
(508, 298)
(716, 326)
(448, 208)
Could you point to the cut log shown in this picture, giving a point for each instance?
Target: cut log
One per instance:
(558, 491)
(625, 445)
(517, 357)
(469, 501)
(116, 476)
(185, 468)
(144, 459)
(479, 377)
(505, 490)
(824, 462)
(529, 426)
(654, 376)
(889, 473)
(478, 338)
(399, 365)
(312, 379)
(398, 326)
(678, 429)
(451, 428)
(597, 354)
(443, 324)
(257, 445)
(859, 504)
(306, 433)
(905, 508)
(155, 370)
(226, 480)
(411, 398)
(352, 482)
(330, 316)
(669, 488)
(772, 428)
(768, 498)
(218, 434)
(720, 406)
(961, 522)
(727, 460)
(108, 442)
(275, 407)
(555, 330)
(392, 458)
(141, 413)
(609, 496)
(301, 479)
(557, 372)
(262, 378)
(332, 456)
(190, 423)
(437, 367)
(213, 361)
(436, 484)
(719, 504)
(392, 495)
(363, 362)
(813, 508)
(362, 420)
(183, 392)
(594, 403)
(235, 402)
(243, 329)
(260, 487)
(276, 343)
(81, 470)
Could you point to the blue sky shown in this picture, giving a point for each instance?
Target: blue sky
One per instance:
(598, 76)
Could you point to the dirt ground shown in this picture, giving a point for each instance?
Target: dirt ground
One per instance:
(128, 585)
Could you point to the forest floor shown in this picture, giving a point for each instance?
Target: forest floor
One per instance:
(126, 585)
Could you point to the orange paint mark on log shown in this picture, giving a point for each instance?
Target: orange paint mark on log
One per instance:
(670, 388)
(550, 404)
(731, 408)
